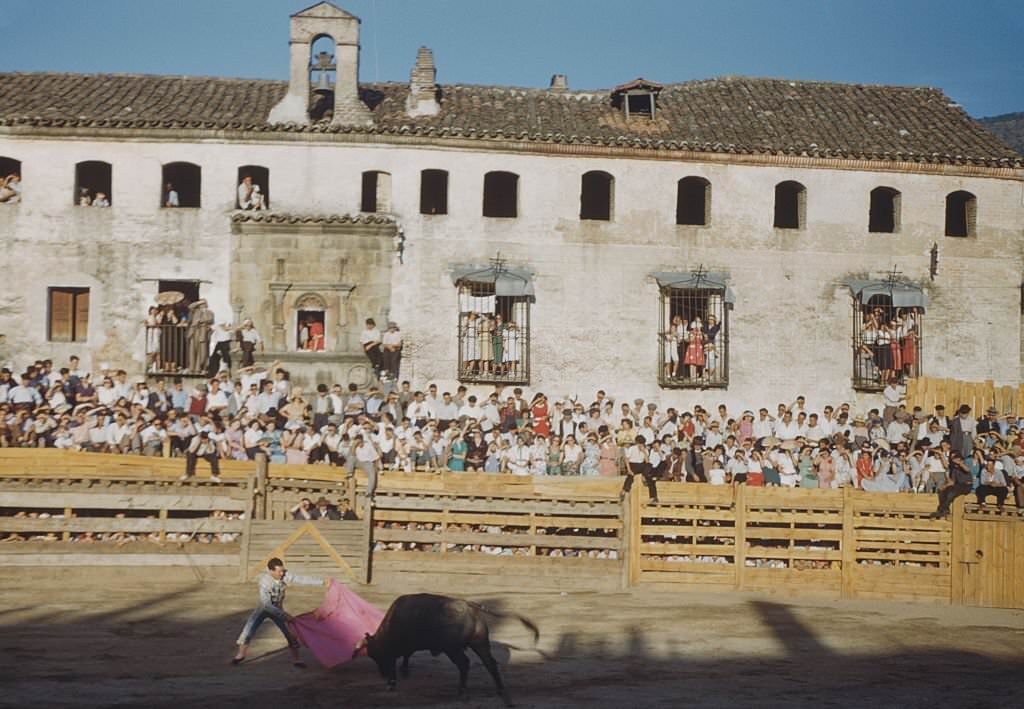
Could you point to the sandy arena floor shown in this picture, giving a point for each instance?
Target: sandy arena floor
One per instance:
(114, 639)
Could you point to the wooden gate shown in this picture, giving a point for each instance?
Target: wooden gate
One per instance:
(325, 548)
(988, 552)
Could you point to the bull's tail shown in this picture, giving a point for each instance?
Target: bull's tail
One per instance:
(522, 619)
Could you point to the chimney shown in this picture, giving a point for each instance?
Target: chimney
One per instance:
(559, 83)
(423, 86)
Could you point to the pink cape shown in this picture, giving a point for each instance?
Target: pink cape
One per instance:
(332, 631)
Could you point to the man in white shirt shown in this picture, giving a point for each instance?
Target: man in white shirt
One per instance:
(153, 437)
(786, 429)
(201, 446)
(517, 460)
(898, 431)
(24, 396)
(391, 351)
(765, 425)
(713, 436)
(814, 431)
(370, 339)
(268, 398)
(118, 438)
(419, 412)
(470, 410)
(216, 399)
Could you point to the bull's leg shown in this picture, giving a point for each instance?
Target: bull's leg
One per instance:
(405, 666)
(392, 679)
(458, 656)
(483, 651)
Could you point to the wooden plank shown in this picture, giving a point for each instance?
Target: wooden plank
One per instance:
(121, 559)
(202, 525)
(98, 500)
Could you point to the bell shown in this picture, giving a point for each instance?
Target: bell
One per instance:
(323, 85)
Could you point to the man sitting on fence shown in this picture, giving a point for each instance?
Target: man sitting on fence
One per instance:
(202, 446)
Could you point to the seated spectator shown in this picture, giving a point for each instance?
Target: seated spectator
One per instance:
(10, 189)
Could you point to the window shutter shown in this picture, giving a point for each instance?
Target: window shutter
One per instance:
(61, 303)
(82, 316)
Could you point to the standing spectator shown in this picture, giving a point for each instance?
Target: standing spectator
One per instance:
(367, 459)
(391, 351)
(198, 335)
(220, 349)
(249, 340)
(370, 339)
(962, 430)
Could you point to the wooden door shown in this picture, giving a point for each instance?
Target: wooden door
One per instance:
(989, 560)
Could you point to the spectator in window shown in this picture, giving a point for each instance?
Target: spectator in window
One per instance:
(498, 344)
(370, 339)
(674, 340)
(485, 328)
(249, 195)
(10, 189)
(316, 341)
(512, 349)
(471, 345)
(170, 197)
(391, 351)
(694, 357)
(84, 198)
(101, 200)
(711, 330)
(200, 325)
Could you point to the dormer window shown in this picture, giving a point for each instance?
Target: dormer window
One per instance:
(638, 99)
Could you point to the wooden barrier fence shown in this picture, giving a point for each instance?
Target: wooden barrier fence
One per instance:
(926, 392)
(500, 531)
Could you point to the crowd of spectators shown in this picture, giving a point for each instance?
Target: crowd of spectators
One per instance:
(393, 427)
(121, 538)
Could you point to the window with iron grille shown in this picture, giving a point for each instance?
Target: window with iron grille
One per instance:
(693, 339)
(494, 335)
(887, 342)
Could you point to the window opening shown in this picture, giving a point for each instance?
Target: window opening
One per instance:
(10, 181)
(694, 338)
(887, 344)
(961, 214)
(501, 194)
(93, 184)
(168, 346)
(693, 201)
(596, 196)
(434, 192)
(181, 185)
(376, 192)
(790, 205)
(494, 335)
(68, 314)
(310, 331)
(253, 188)
(884, 214)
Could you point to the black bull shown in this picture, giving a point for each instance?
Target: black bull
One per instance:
(424, 621)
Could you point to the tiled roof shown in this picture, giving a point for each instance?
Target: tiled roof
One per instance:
(246, 217)
(727, 115)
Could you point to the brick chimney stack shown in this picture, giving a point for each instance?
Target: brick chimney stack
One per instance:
(423, 86)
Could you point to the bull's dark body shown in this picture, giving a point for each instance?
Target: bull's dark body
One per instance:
(439, 624)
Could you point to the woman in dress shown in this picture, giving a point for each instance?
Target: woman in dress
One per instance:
(292, 441)
(152, 323)
(498, 343)
(512, 350)
(539, 455)
(572, 456)
(694, 358)
(471, 345)
(590, 467)
(316, 336)
(909, 353)
(486, 348)
(457, 453)
(608, 457)
(896, 333)
(673, 338)
(554, 465)
(540, 417)
(234, 436)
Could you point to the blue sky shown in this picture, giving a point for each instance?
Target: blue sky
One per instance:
(972, 50)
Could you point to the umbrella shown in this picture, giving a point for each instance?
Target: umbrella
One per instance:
(169, 297)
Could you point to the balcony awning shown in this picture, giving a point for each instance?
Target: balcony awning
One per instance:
(507, 281)
(710, 280)
(902, 295)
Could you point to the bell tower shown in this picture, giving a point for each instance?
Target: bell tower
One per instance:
(307, 26)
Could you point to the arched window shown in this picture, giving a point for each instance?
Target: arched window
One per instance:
(93, 184)
(597, 195)
(253, 188)
(790, 205)
(884, 214)
(376, 194)
(434, 192)
(961, 214)
(180, 185)
(501, 194)
(10, 180)
(693, 201)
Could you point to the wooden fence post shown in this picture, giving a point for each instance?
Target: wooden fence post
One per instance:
(635, 541)
(368, 546)
(260, 506)
(739, 499)
(243, 552)
(848, 546)
(956, 552)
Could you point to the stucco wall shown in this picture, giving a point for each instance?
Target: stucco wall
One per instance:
(596, 314)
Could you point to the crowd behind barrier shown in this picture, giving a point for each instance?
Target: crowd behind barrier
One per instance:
(390, 426)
